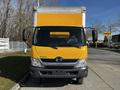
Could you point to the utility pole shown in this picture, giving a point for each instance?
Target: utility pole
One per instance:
(38, 3)
(109, 38)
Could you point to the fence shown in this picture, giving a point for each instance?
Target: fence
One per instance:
(17, 45)
(4, 43)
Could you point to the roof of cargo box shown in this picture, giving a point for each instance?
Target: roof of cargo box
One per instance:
(61, 9)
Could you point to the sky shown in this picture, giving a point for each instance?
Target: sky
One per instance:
(103, 11)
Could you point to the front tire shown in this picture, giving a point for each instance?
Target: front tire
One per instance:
(79, 81)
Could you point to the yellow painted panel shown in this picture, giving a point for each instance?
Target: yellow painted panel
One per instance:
(59, 19)
(65, 52)
(60, 33)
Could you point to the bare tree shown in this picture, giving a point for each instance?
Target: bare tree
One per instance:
(16, 15)
(5, 16)
(116, 25)
(52, 3)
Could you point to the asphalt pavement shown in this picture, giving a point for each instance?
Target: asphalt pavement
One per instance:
(104, 74)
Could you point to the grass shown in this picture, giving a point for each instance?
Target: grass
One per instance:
(12, 67)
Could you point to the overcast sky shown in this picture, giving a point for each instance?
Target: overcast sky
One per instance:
(105, 11)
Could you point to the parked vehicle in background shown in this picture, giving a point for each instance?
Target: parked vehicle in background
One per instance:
(115, 42)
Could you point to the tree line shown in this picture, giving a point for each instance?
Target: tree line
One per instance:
(16, 15)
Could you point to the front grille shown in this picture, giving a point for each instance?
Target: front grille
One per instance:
(59, 67)
(63, 61)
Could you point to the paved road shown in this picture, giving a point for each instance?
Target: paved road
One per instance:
(104, 74)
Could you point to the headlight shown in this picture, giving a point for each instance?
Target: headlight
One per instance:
(81, 63)
(36, 63)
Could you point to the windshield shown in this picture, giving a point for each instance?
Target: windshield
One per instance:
(59, 36)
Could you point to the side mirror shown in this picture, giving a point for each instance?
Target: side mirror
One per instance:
(24, 37)
(94, 36)
(27, 32)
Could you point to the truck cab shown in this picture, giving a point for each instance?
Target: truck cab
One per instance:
(59, 48)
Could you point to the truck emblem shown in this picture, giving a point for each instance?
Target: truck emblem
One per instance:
(59, 59)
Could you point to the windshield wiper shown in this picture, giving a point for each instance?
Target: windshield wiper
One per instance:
(53, 46)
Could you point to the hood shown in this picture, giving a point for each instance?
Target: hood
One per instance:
(64, 52)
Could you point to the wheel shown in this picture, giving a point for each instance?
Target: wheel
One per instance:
(79, 81)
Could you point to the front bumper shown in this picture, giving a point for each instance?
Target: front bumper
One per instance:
(58, 73)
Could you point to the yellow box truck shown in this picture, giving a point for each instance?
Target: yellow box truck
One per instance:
(59, 47)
